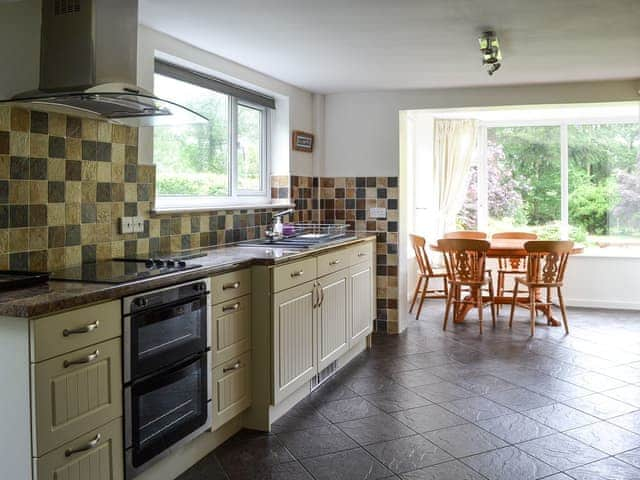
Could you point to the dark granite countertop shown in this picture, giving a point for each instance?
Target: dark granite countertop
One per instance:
(56, 296)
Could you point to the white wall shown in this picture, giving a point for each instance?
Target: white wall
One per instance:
(20, 40)
(294, 107)
(361, 129)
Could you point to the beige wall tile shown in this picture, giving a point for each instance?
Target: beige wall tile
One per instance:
(73, 192)
(119, 134)
(117, 154)
(88, 233)
(57, 125)
(56, 169)
(38, 238)
(104, 131)
(4, 166)
(103, 251)
(89, 192)
(130, 192)
(73, 148)
(5, 118)
(56, 258)
(18, 240)
(55, 214)
(104, 171)
(72, 213)
(19, 144)
(89, 129)
(103, 213)
(19, 192)
(4, 241)
(89, 171)
(117, 173)
(117, 249)
(39, 145)
(72, 255)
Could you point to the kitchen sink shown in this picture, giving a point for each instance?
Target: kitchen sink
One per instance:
(295, 242)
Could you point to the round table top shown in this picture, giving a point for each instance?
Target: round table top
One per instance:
(510, 247)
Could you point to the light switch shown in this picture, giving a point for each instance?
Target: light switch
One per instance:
(378, 212)
(137, 224)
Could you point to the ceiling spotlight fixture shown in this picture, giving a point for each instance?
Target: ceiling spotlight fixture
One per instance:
(490, 48)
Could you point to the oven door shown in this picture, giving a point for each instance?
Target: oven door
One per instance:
(166, 409)
(161, 336)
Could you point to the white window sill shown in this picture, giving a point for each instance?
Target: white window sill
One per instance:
(217, 208)
(622, 253)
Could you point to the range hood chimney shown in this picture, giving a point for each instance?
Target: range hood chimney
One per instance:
(88, 66)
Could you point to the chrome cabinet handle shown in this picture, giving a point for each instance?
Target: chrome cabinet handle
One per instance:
(80, 361)
(322, 295)
(231, 308)
(362, 254)
(89, 446)
(231, 286)
(315, 295)
(236, 366)
(334, 262)
(299, 273)
(86, 329)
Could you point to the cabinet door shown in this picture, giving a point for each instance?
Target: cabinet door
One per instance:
(231, 329)
(332, 317)
(75, 393)
(231, 389)
(97, 455)
(361, 306)
(293, 339)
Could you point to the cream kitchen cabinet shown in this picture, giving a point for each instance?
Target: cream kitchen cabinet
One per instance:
(320, 311)
(332, 317)
(294, 335)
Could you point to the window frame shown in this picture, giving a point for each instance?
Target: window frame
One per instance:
(482, 201)
(236, 196)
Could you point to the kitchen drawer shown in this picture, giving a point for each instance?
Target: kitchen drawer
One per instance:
(97, 455)
(230, 285)
(231, 389)
(62, 333)
(333, 261)
(75, 393)
(231, 329)
(360, 253)
(295, 273)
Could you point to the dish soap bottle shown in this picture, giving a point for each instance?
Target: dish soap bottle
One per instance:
(278, 228)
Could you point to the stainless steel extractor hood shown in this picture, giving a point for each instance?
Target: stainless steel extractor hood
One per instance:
(88, 66)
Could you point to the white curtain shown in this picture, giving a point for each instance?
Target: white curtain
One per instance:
(453, 149)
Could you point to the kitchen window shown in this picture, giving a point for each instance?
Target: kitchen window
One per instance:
(220, 163)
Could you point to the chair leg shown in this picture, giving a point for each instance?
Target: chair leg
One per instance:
(415, 293)
(549, 305)
(500, 292)
(513, 302)
(480, 306)
(423, 296)
(492, 299)
(448, 307)
(563, 310)
(532, 306)
(445, 280)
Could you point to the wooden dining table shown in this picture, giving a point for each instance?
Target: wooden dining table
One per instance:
(509, 248)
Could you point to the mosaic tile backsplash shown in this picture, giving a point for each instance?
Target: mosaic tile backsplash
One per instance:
(65, 181)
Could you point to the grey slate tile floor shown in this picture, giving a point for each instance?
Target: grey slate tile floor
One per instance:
(453, 405)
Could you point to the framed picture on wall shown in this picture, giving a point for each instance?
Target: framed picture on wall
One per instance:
(302, 141)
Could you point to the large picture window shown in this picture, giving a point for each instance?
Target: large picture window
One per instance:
(222, 162)
(578, 180)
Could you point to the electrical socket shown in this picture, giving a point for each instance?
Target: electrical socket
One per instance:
(378, 212)
(126, 225)
(137, 224)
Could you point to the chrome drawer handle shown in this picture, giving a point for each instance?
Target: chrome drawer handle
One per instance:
(231, 286)
(89, 446)
(334, 262)
(80, 361)
(231, 308)
(299, 273)
(361, 254)
(236, 366)
(86, 329)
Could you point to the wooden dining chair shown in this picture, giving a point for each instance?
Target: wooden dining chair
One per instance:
(546, 265)
(469, 234)
(465, 260)
(511, 265)
(426, 273)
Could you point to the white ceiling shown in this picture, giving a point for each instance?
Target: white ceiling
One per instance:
(345, 45)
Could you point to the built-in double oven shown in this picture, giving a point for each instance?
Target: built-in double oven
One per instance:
(167, 370)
